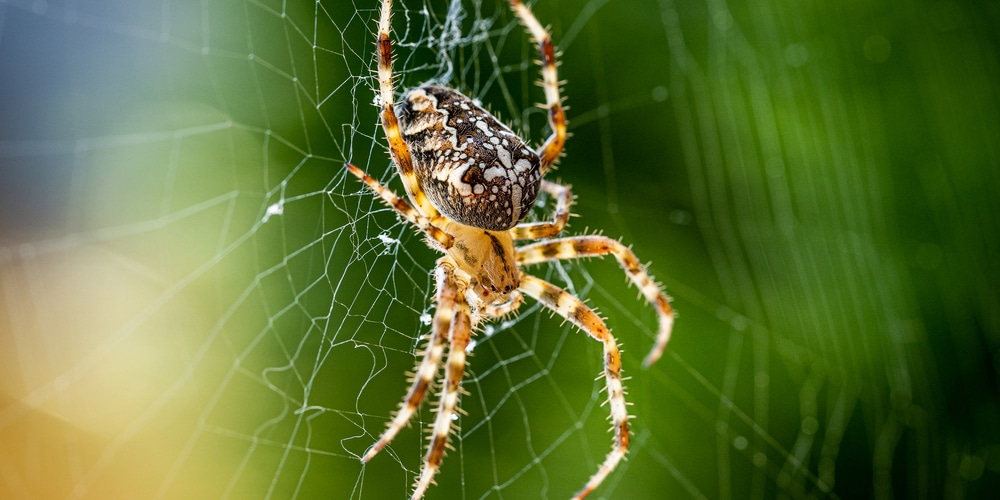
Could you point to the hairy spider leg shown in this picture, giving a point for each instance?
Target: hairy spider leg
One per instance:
(405, 209)
(551, 149)
(571, 308)
(538, 230)
(459, 335)
(428, 368)
(573, 247)
(501, 310)
(390, 122)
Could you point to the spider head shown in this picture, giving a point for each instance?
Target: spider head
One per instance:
(489, 259)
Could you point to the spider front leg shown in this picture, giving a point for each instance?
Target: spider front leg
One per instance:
(428, 367)
(553, 146)
(459, 335)
(538, 230)
(594, 246)
(576, 312)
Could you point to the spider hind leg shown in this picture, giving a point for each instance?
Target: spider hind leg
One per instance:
(390, 122)
(550, 150)
(538, 230)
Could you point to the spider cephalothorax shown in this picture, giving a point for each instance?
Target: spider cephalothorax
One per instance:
(471, 181)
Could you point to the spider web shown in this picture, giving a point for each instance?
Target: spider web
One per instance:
(196, 302)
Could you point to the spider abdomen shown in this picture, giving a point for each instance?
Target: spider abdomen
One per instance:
(474, 169)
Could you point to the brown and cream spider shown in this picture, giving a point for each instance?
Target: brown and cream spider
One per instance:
(470, 181)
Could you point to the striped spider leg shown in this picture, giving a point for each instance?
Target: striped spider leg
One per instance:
(572, 247)
(553, 146)
(459, 334)
(572, 309)
(479, 253)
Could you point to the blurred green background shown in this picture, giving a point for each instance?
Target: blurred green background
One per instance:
(196, 302)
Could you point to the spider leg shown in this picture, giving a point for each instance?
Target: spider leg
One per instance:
(583, 317)
(405, 209)
(461, 331)
(590, 246)
(428, 367)
(501, 310)
(553, 146)
(390, 122)
(537, 230)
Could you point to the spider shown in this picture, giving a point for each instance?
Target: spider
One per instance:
(470, 181)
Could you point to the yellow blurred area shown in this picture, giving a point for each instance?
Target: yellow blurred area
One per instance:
(111, 347)
(93, 387)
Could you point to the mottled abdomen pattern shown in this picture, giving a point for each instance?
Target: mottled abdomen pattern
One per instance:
(472, 167)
